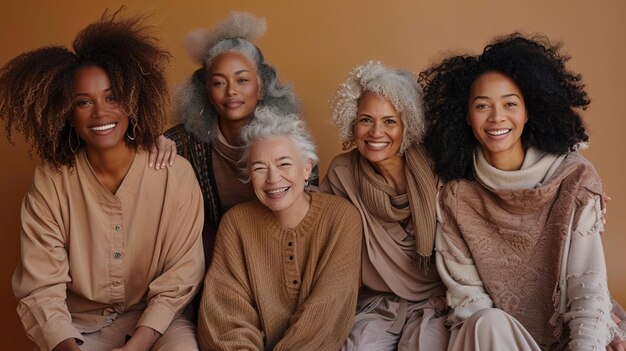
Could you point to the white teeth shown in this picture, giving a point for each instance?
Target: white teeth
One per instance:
(104, 127)
(276, 191)
(498, 132)
(377, 145)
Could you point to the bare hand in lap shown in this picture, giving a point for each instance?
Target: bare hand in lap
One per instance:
(143, 339)
(162, 153)
(67, 345)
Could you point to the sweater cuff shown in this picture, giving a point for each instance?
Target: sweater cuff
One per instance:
(157, 316)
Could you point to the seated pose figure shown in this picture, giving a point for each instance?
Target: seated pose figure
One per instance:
(520, 217)
(215, 103)
(111, 249)
(285, 270)
(389, 178)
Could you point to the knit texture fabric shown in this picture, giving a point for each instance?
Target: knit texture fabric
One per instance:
(273, 288)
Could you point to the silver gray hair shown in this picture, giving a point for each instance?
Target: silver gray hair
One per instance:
(398, 86)
(235, 33)
(270, 123)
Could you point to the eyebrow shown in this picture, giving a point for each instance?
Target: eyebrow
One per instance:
(503, 96)
(236, 72)
(87, 94)
(383, 117)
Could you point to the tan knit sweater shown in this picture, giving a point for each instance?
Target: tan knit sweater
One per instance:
(272, 288)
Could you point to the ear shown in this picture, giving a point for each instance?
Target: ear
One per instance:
(308, 169)
(261, 90)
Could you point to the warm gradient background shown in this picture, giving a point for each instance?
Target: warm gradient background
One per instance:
(314, 44)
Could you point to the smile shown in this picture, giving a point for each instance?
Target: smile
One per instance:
(277, 191)
(498, 132)
(104, 127)
(233, 104)
(377, 145)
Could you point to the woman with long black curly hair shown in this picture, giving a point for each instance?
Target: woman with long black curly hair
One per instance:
(111, 249)
(520, 216)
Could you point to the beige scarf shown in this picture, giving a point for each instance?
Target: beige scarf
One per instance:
(421, 184)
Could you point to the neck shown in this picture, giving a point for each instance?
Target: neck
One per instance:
(393, 171)
(111, 166)
(231, 130)
(509, 160)
(291, 217)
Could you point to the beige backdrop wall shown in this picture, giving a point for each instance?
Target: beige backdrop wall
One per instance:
(314, 44)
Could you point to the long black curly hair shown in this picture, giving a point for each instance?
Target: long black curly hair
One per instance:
(552, 94)
(36, 87)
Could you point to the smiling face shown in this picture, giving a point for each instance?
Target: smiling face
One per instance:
(234, 87)
(98, 118)
(377, 129)
(497, 115)
(278, 174)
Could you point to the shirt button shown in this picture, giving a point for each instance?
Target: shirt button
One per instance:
(290, 243)
(295, 282)
(117, 255)
(116, 282)
(117, 227)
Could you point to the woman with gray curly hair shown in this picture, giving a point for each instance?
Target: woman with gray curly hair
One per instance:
(285, 274)
(389, 178)
(216, 102)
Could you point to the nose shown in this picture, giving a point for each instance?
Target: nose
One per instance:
(230, 89)
(376, 130)
(273, 175)
(497, 113)
(98, 110)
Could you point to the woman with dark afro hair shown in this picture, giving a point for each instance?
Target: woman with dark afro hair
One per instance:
(111, 249)
(518, 240)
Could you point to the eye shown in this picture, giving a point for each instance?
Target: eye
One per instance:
(111, 98)
(481, 106)
(243, 80)
(364, 120)
(217, 83)
(257, 169)
(510, 104)
(82, 102)
(284, 164)
(391, 121)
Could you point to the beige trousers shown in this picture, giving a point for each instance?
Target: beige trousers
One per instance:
(180, 336)
(491, 329)
(387, 322)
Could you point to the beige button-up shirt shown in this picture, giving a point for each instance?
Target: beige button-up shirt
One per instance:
(89, 255)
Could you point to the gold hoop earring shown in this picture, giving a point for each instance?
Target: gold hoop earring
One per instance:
(73, 132)
(131, 121)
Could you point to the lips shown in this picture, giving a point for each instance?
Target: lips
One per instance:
(103, 127)
(498, 132)
(230, 104)
(273, 193)
(377, 145)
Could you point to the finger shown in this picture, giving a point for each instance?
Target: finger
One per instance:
(174, 153)
(153, 154)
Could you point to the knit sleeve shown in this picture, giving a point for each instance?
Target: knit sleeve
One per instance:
(332, 183)
(228, 319)
(466, 293)
(325, 319)
(588, 315)
(41, 278)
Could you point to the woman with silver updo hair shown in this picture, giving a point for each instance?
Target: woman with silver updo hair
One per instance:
(216, 102)
(389, 178)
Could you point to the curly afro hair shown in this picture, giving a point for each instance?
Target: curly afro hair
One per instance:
(552, 94)
(36, 87)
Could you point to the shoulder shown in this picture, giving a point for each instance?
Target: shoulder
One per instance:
(341, 161)
(244, 212)
(336, 207)
(576, 168)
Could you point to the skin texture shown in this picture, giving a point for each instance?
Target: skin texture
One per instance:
(278, 173)
(497, 115)
(101, 124)
(378, 136)
(234, 90)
